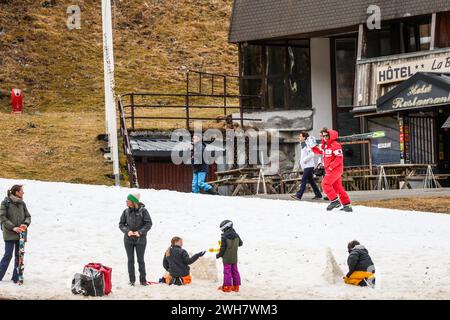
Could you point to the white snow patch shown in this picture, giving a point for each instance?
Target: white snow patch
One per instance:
(284, 256)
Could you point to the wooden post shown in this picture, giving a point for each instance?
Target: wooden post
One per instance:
(225, 95)
(433, 31)
(186, 100)
(132, 110)
(361, 42)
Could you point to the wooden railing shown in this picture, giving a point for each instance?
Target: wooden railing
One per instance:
(131, 165)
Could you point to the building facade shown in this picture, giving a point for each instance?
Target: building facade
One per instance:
(320, 63)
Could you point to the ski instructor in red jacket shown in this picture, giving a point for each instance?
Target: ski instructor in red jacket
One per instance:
(333, 161)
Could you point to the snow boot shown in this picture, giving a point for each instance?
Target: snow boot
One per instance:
(317, 198)
(144, 283)
(212, 192)
(346, 208)
(131, 284)
(225, 288)
(334, 204)
(235, 288)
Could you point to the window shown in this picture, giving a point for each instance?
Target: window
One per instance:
(408, 35)
(387, 149)
(345, 61)
(278, 71)
(347, 125)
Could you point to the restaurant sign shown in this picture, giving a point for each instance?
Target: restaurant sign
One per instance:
(403, 71)
(417, 95)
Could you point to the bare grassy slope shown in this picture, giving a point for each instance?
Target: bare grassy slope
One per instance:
(61, 74)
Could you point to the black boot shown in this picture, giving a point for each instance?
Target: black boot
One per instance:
(346, 208)
(334, 204)
(212, 192)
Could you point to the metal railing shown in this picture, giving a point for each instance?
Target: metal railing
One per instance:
(131, 165)
(204, 91)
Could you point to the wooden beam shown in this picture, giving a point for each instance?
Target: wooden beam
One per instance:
(433, 31)
(361, 42)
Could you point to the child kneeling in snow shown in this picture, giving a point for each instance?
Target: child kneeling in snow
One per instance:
(176, 262)
(230, 241)
(361, 268)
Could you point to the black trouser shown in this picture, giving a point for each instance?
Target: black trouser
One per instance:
(308, 177)
(10, 248)
(130, 247)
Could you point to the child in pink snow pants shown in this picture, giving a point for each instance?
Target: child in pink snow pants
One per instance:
(230, 242)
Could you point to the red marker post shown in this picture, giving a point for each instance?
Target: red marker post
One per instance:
(16, 100)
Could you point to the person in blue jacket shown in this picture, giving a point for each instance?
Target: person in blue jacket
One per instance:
(200, 167)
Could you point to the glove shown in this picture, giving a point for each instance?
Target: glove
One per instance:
(201, 253)
(217, 256)
(311, 142)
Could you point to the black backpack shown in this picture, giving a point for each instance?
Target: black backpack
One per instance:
(88, 283)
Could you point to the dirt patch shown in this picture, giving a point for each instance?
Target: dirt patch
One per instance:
(429, 204)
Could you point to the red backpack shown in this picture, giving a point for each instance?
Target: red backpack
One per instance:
(106, 272)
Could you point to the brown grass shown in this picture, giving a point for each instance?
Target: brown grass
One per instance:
(53, 147)
(431, 204)
(61, 74)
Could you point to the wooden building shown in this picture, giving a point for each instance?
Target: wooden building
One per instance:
(320, 63)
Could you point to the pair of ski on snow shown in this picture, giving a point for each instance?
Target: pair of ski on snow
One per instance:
(21, 265)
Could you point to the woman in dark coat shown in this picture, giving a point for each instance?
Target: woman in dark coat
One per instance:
(135, 222)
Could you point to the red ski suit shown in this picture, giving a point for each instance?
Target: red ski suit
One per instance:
(333, 161)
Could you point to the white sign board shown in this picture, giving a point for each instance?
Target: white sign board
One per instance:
(403, 71)
(386, 145)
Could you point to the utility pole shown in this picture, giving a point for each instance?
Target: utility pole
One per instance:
(109, 84)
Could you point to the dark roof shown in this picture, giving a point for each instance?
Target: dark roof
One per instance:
(446, 124)
(142, 146)
(264, 19)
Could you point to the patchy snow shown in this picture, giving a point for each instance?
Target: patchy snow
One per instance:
(292, 250)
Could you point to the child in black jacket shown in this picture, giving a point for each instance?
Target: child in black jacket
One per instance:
(361, 268)
(176, 261)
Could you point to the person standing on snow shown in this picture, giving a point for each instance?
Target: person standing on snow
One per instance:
(230, 242)
(307, 162)
(135, 222)
(176, 261)
(333, 161)
(361, 268)
(14, 216)
(200, 167)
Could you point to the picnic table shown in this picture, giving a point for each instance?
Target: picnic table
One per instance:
(406, 173)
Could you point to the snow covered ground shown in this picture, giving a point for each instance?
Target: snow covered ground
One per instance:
(284, 254)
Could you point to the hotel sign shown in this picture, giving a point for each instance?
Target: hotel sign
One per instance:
(419, 94)
(403, 71)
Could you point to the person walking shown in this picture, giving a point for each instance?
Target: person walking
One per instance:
(307, 163)
(333, 160)
(200, 167)
(135, 223)
(14, 217)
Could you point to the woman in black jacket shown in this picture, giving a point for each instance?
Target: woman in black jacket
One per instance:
(135, 222)
(176, 261)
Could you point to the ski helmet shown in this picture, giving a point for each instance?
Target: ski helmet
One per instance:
(225, 224)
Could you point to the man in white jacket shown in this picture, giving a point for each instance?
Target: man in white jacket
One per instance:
(308, 164)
